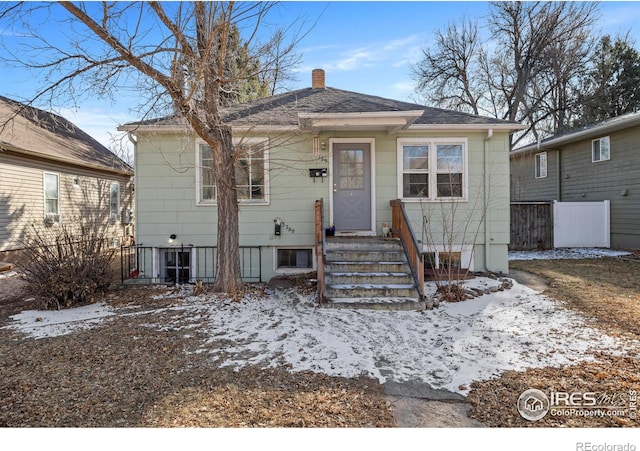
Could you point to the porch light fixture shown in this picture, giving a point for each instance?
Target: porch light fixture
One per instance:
(172, 237)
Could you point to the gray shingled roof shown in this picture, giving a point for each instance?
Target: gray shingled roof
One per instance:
(47, 135)
(283, 109)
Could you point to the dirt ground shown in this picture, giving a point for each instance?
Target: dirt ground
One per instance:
(126, 375)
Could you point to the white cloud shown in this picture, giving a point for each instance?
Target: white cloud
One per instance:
(395, 53)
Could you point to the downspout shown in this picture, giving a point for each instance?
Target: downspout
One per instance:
(558, 177)
(134, 140)
(486, 202)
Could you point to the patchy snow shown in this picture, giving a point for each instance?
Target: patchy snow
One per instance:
(7, 274)
(52, 323)
(447, 347)
(566, 253)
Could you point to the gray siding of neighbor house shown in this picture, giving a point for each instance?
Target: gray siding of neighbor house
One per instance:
(524, 184)
(582, 180)
(22, 197)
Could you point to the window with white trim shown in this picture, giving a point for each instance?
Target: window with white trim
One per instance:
(114, 201)
(541, 165)
(432, 168)
(251, 173)
(52, 196)
(600, 149)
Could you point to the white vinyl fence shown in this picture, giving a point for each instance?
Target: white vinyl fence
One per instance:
(581, 224)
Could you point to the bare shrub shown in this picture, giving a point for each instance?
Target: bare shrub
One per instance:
(66, 265)
(453, 292)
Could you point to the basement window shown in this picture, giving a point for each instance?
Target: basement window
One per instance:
(294, 259)
(446, 258)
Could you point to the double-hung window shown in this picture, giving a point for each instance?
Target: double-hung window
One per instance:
(541, 165)
(251, 173)
(52, 196)
(600, 150)
(114, 201)
(432, 169)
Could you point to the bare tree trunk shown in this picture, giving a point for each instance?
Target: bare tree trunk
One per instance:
(228, 275)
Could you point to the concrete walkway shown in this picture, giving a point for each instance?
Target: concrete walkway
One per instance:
(418, 405)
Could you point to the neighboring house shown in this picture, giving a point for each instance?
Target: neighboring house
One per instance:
(356, 152)
(53, 173)
(595, 163)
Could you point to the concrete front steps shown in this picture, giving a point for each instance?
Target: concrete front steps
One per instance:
(369, 272)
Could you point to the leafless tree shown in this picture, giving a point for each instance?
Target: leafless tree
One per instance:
(176, 53)
(446, 72)
(525, 72)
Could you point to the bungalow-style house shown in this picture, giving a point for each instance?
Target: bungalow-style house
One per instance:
(352, 155)
(599, 162)
(53, 173)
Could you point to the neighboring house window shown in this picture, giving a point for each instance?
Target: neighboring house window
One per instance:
(541, 165)
(294, 259)
(251, 173)
(52, 196)
(432, 169)
(600, 149)
(76, 181)
(114, 201)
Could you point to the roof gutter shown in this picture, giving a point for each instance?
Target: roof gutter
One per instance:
(161, 129)
(469, 127)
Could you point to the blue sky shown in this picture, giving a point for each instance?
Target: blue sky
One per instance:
(364, 46)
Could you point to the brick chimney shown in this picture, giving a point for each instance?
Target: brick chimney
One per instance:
(317, 79)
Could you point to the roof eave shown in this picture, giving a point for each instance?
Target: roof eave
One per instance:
(606, 127)
(391, 121)
(468, 127)
(160, 129)
(68, 161)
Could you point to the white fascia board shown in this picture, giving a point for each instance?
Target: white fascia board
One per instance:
(184, 128)
(468, 127)
(382, 119)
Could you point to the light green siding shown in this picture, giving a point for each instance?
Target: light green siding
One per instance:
(167, 203)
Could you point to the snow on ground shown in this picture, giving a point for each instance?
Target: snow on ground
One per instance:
(566, 253)
(52, 323)
(447, 347)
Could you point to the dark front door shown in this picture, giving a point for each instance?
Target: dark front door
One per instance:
(352, 186)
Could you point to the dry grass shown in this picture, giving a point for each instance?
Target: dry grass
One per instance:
(607, 292)
(125, 374)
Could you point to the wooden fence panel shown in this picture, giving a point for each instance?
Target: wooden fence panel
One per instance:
(531, 226)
